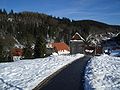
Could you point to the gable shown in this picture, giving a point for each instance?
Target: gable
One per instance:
(76, 36)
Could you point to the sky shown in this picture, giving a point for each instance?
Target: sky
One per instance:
(107, 11)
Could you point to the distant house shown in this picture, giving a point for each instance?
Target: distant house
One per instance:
(58, 48)
(76, 44)
(61, 48)
(93, 50)
(16, 53)
(99, 49)
(49, 49)
(89, 50)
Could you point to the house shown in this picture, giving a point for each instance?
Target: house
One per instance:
(61, 48)
(16, 53)
(93, 50)
(57, 48)
(49, 49)
(89, 50)
(76, 44)
(99, 50)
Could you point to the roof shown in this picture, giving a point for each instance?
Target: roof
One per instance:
(76, 36)
(16, 52)
(61, 46)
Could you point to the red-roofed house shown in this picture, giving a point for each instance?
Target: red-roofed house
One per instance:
(60, 47)
(16, 53)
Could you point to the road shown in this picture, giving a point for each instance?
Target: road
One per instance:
(70, 78)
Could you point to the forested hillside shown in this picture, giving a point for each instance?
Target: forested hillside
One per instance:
(22, 29)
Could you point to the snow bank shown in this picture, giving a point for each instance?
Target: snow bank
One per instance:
(103, 73)
(62, 52)
(27, 74)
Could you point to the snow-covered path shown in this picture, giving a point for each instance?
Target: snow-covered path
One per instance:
(26, 74)
(103, 73)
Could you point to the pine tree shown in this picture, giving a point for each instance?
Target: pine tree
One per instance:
(0, 11)
(4, 12)
(27, 51)
(11, 12)
(40, 47)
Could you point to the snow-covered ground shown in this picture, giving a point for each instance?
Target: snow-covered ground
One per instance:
(103, 73)
(26, 74)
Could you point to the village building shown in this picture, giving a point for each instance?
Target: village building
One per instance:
(93, 50)
(57, 48)
(49, 49)
(16, 54)
(61, 48)
(76, 44)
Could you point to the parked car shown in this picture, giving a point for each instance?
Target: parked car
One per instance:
(115, 53)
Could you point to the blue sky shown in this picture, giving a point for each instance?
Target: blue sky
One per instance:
(107, 11)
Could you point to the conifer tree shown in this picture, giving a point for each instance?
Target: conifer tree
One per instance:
(4, 12)
(11, 12)
(0, 11)
(40, 47)
(27, 51)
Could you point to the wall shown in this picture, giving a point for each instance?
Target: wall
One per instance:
(76, 47)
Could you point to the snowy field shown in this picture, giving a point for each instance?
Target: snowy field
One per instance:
(103, 73)
(26, 74)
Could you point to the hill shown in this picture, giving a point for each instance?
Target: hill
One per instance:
(22, 29)
(95, 27)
